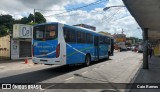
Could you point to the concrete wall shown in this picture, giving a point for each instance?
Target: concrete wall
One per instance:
(5, 47)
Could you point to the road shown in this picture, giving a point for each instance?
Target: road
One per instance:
(120, 68)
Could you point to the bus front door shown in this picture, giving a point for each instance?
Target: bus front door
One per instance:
(96, 46)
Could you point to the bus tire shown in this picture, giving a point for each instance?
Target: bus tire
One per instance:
(87, 60)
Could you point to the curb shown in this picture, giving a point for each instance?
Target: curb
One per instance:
(134, 78)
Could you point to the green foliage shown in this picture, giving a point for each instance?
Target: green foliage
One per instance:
(32, 23)
(30, 18)
(18, 21)
(133, 38)
(39, 18)
(3, 30)
(6, 22)
(24, 20)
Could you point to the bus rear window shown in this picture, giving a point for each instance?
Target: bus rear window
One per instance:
(46, 32)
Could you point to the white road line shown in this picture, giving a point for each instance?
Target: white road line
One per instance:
(94, 69)
(69, 78)
(85, 72)
(101, 65)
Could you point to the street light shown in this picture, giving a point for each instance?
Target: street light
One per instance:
(106, 8)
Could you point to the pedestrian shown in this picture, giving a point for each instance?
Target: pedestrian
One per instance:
(112, 50)
(150, 52)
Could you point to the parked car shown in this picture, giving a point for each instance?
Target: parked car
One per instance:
(134, 48)
(122, 46)
(140, 48)
(129, 48)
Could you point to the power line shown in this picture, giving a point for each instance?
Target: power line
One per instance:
(76, 14)
(109, 17)
(50, 10)
(73, 9)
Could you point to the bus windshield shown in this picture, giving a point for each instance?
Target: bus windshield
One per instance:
(45, 32)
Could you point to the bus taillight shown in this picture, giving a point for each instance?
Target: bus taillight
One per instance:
(58, 50)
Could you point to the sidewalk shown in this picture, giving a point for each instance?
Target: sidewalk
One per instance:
(16, 65)
(152, 75)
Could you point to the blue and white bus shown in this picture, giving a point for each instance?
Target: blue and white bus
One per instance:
(61, 44)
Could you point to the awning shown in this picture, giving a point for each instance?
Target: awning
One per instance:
(147, 15)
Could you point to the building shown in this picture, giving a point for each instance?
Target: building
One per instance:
(119, 37)
(21, 41)
(86, 26)
(105, 33)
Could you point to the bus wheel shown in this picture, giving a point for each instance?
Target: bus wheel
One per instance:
(87, 60)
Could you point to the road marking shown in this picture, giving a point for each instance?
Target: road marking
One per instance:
(69, 78)
(94, 69)
(107, 63)
(85, 72)
(101, 65)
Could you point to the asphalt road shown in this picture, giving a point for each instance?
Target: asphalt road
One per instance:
(120, 68)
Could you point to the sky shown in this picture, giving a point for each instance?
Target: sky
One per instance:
(113, 20)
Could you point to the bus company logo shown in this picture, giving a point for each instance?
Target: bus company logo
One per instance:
(6, 86)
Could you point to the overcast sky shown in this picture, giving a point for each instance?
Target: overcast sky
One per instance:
(112, 20)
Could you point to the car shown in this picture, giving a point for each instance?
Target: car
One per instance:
(128, 48)
(134, 48)
(140, 48)
(122, 46)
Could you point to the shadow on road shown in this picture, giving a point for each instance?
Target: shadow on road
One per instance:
(45, 74)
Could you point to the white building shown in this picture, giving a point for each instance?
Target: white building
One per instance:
(21, 41)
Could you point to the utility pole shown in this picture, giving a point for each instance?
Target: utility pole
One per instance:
(34, 16)
(145, 48)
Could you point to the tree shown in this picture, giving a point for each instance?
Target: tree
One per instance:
(39, 18)
(3, 30)
(7, 21)
(24, 20)
(30, 18)
(17, 21)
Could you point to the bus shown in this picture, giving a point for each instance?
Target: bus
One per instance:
(61, 44)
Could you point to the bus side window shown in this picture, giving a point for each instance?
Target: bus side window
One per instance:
(78, 37)
(66, 35)
(83, 37)
(107, 40)
(101, 40)
(72, 36)
(89, 38)
(69, 35)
